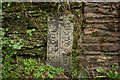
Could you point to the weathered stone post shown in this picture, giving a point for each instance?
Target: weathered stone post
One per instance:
(59, 40)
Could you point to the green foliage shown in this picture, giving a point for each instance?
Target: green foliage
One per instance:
(16, 45)
(10, 46)
(31, 68)
(23, 68)
(114, 73)
(19, 15)
(77, 69)
(77, 74)
(9, 50)
(30, 31)
(59, 6)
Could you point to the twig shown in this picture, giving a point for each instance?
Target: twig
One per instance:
(68, 4)
(34, 21)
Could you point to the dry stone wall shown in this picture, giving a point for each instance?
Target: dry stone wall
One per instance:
(18, 21)
(101, 46)
(98, 41)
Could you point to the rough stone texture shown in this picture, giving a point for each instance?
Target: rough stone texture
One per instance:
(101, 47)
(92, 39)
(99, 41)
(60, 41)
(34, 45)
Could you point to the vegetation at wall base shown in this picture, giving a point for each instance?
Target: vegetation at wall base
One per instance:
(113, 73)
(29, 68)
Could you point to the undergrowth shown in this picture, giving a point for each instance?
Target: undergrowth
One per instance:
(30, 69)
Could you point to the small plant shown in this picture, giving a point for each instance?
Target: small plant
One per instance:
(113, 73)
(30, 31)
(59, 6)
(19, 15)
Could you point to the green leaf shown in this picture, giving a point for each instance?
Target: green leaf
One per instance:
(15, 52)
(8, 4)
(18, 47)
(33, 29)
(78, 15)
(100, 70)
(43, 76)
(110, 72)
(29, 31)
(59, 5)
(85, 76)
(18, 16)
(12, 41)
(6, 29)
(35, 75)
(107, 73)
(77, 10)
(15, 46)
(58, 72)
(40, 10)
(30, 34)
(49, 75)
(100, 76)
(116, 67)
(45, 29)
(116, 73)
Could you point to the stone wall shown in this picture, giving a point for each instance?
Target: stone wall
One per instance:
(18, 21)
(101, 47)
(98, 42)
